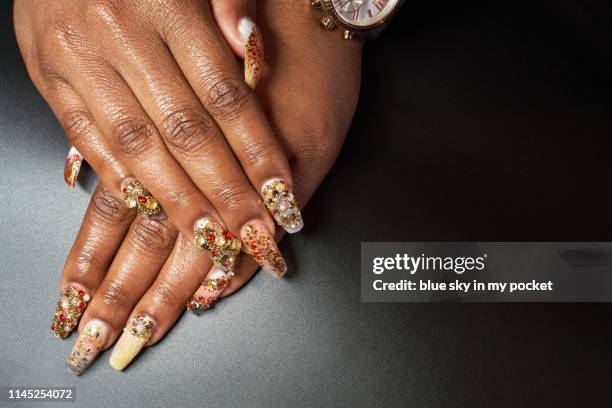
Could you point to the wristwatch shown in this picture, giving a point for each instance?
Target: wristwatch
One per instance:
(357, 18)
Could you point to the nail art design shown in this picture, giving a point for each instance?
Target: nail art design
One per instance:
(253, 52)
(69, 309)
(208, 292)
(137, 196)
(87, 347)
(136, 334)
(221, 244)
(282, 205)
(263, 248)
(72, 166)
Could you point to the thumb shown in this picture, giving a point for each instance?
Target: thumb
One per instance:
(236, 20)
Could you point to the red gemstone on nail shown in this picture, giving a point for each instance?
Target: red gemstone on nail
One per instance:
(62, 318)
(53, 327)
(228, 235)
(125, 190)
(82, 305)
(215, 252)
(81, 293)
(142, 199)
(211, 238)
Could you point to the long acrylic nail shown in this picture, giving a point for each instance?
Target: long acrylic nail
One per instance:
(253, 52)
(136, 335)
(209, 291)
(72, 166)
(68, 311)
(87, 347)
(221, 244)
(135, 195)
(263, 248)
(282, 205)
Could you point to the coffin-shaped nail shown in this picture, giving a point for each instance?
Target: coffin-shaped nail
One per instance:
(282, 205)
(253, 51)
(87, 347)
(135, 195)
(220, 243)
(73, 301)
(72, 167)
(136, 335)
(262, 247)
(209, 291)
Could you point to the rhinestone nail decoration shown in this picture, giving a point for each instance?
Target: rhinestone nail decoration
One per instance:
(141, 327)
(263, 248)
(221, 244)
(137, 196)
(209, 291)
(282, 205)
(68, 311)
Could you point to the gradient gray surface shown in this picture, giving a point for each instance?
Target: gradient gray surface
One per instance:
(417, 166)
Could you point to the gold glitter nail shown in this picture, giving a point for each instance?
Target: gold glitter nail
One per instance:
(282, 205)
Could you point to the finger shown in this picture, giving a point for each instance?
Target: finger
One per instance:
(105, 224)
(235, 19)
(138, 143)
(212, 73)
(137, 262)
(84, 136)
(198, 145)
(163, 303)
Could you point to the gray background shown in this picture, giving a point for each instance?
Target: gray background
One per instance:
(485, 122)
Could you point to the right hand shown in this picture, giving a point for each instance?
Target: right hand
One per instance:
(151, 90)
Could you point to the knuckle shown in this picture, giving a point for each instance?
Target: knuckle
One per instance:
(152, 236)
(133, 136)
(166, 294)
(85, 261)
(106, 11)
(76, 124)
(66, 35)
(108, 209)
(226, 95)
(188, 130)
(116, 294)
(184, 197)
(231, 196)
(260, 155)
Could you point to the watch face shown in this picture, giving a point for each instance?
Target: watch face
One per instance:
(363, 13)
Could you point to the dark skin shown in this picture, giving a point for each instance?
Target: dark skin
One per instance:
(132, 264)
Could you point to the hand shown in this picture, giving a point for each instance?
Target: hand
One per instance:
(136, 266)
(151, 90)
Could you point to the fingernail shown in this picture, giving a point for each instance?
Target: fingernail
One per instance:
(87, 347)
(135, 195)
(221, 244)
(263, 248)
(72, 166)
(282, 205)
(254, 51)
(135, 335)
(70, 307)
(209, 291)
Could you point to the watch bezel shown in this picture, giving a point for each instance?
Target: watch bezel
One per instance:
(328, 7)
